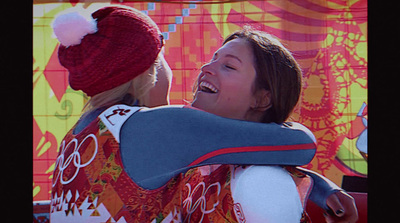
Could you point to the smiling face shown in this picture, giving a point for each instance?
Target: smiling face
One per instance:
(225, 84)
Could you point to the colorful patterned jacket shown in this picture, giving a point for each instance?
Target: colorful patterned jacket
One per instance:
(114, 170)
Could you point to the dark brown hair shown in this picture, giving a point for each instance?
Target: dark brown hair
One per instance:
(276, 71)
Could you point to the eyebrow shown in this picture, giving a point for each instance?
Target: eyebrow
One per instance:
(230, 55)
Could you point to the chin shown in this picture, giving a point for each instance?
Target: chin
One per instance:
(197, 104)
(201, 105)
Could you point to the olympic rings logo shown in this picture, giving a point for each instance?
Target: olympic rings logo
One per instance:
(75, 158)
(201, 201)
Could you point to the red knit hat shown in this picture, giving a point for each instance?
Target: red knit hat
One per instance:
(124, 44)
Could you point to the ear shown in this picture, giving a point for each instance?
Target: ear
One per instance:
(262, 100)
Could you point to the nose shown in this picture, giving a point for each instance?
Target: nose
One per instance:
(208, 68)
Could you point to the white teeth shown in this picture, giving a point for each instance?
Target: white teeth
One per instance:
(209, 87)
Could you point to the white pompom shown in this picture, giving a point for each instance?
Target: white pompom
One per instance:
(70, 28)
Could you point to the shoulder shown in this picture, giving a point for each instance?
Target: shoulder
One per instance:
(115, 116)
(300, 127)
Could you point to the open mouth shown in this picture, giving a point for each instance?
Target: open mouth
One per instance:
(208, 88)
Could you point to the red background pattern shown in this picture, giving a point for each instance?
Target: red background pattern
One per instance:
(328, 38)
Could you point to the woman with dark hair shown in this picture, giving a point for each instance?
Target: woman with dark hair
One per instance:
(253, 77)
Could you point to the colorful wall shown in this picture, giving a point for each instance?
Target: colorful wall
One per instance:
(328, 38)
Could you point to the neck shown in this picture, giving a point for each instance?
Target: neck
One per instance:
(253, 116)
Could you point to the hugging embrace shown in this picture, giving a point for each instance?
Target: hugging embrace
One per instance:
(229, 156)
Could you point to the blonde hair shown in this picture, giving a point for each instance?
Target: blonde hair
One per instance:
(122, 94)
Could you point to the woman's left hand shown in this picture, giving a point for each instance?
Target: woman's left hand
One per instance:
(343, 208)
